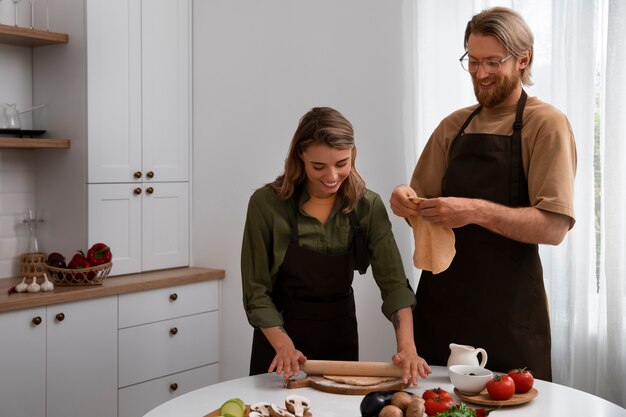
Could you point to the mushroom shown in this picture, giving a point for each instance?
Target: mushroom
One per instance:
(390, 411)
(297, 404)
(416, 407)
(401, 399)
(262, 408)
(255, 414)
(276, 411)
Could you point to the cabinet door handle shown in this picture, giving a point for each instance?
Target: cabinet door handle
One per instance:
(137, 191)
(60, 317)
(173, 331)
(173, 296)
(36, 320)
(149, 190)
(137, 174)
(150, 174)
(174, 386)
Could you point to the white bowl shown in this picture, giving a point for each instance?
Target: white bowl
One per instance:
(469, 379)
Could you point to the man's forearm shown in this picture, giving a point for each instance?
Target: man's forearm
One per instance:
(523, 224)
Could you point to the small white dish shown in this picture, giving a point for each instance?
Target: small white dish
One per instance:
(469, 379)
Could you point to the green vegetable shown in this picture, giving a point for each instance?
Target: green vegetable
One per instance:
(462, 410)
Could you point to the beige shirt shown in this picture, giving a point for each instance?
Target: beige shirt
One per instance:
(548, 152)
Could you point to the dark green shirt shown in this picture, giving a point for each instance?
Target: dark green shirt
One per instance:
(266, 237)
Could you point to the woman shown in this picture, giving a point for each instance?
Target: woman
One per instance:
(305, 234)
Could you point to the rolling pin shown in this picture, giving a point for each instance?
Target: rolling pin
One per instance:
(350, 368)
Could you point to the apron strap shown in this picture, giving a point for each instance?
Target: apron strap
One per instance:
(516, 149)
(362, 261)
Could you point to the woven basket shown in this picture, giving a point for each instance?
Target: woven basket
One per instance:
(82, 276)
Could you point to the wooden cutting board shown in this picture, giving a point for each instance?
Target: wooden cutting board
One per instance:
(326, 385)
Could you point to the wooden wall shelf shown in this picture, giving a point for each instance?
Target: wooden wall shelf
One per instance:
(31, 143)
(19, 36)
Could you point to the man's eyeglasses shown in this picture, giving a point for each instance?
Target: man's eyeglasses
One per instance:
(491, 66)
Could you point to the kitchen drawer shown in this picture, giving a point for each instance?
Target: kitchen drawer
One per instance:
(167, 303)
(163, 348)
(137, 400)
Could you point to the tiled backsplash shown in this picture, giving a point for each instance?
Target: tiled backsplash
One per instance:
(17, 195)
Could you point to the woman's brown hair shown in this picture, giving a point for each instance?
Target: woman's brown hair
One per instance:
(320, 126)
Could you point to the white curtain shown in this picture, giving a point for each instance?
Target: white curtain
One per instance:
(579, 67)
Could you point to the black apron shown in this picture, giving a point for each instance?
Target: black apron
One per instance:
(313, 292)
(492, 295)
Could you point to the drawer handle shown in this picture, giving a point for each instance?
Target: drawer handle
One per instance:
(60, 317)
(138, 174)
(150, 174)
(173, 296)
(173, 331)
(173, 386)
(36, 320)
(137, 191)
(150, 190)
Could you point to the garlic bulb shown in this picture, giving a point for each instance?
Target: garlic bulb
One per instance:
(34, 287)
(22, 287)
(46, 285)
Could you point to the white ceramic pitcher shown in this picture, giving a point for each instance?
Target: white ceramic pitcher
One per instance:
(466, 355)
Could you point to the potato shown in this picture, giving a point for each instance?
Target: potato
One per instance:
(416, 407)
(401, 400)
(390, 411)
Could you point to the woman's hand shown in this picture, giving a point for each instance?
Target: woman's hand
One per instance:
(287, 362)
(412, 365)
(407, 358)
(288, 359)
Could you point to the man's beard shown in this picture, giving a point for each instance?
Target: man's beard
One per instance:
(504, 86)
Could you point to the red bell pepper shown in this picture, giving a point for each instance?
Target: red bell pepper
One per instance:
(79, 261)
(99, 253)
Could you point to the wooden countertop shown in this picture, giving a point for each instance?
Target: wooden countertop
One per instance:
(120, 284)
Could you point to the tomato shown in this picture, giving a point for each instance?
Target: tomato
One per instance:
(436, 404)
(437, 392)
(523, 379)
(501, 387)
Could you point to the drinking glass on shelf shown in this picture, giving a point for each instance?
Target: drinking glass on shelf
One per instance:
(32, 13)
(15, 2)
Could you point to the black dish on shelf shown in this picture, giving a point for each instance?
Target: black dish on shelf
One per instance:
(20, 133)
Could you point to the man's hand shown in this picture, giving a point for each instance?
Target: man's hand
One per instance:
(450, 212)
(401, 203)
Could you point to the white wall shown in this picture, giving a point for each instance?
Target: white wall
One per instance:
(258, 67)
(17, 167)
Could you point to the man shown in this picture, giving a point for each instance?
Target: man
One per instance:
(501, 175)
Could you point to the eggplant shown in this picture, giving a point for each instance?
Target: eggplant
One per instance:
(373, 402)
(56, 259)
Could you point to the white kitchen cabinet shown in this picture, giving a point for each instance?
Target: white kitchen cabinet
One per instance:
(121, 88)
(168, 344)
(137, 400)
(81, 358)
(60, 360)
(138, 90)
(23, 363)
(146, 225)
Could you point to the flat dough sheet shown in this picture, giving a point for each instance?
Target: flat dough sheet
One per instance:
(434, 244)
(364, 381)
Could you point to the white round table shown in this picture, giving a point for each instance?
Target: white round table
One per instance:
(553, 399)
